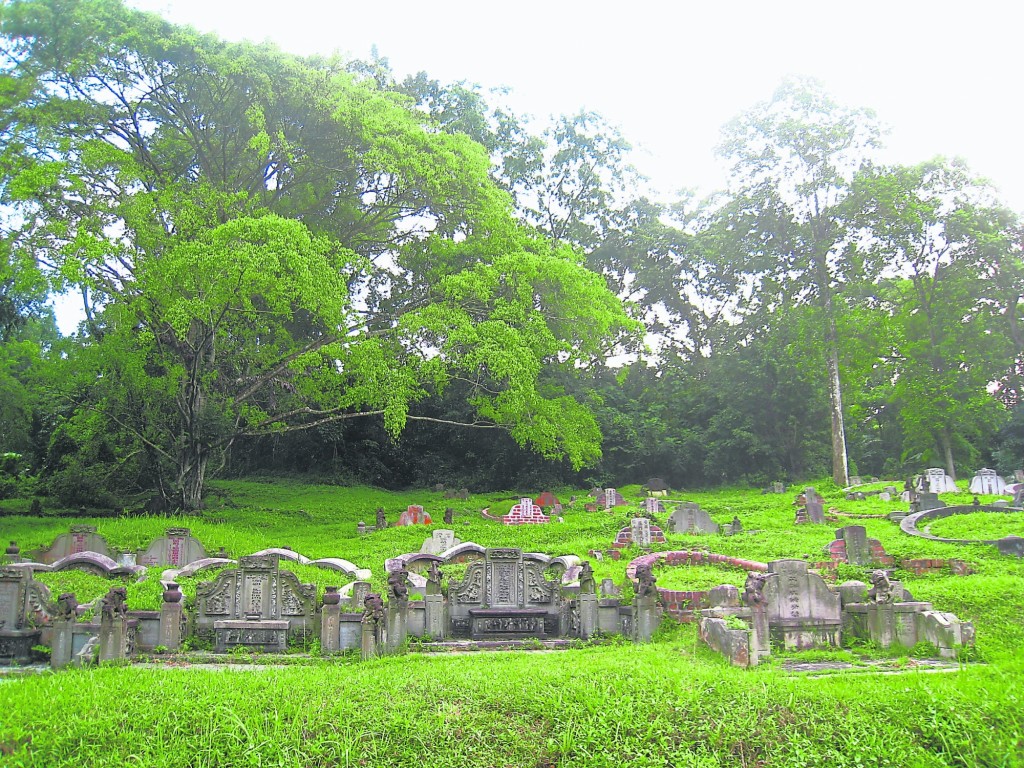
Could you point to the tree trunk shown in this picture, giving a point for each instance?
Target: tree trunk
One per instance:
(840, 462)
(946, 444)
(191, 480)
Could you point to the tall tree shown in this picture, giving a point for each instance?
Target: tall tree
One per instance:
(793, 159)
(268, 243)
(938, 230)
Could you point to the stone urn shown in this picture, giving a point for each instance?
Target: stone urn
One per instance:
(173, 593)
(331, 596)
(13, 550)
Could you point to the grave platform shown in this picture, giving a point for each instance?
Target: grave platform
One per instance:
(265, 636)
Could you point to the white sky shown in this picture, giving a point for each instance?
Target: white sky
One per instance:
(944, 76)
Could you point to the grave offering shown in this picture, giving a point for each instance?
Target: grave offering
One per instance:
(525, 513)
(255, 605)
(690, 518)
(414, 515)
(937, 481)
(852, 545)
(987, 481)
(441, 540)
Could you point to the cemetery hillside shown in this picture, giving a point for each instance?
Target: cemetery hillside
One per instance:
(399, 428)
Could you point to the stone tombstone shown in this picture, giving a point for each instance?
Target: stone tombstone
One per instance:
(256, 591)
(1018, 498)
(441, 540)
(800, 609)
(525, 512)
(641, 532)
(79, 538)
(612, 498)
(609, 589)
(855, 480)
(814, 507)
(928, 500)
(778, 487)
(175, 549)
(885, 496)
(690, 518)
(858, 549)
(937, 481)
(505, 595)
(414, 515)
(987, 481)
(16, 636)
(653, 507)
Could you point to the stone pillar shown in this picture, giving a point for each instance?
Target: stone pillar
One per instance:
(760, 644)
(114, 639)
(172, 614)
(882, 623)
(330, 620)
(435, 618)
(645, 618)
(369, 639)
(398, 624)
(60, 650)
(588, 615)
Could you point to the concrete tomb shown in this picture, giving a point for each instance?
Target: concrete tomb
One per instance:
(690, 518)
(987, 481)
(937, 481)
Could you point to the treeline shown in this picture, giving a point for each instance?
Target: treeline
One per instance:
(296, 265)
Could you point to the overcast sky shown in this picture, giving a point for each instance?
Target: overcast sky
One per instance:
(945, 77)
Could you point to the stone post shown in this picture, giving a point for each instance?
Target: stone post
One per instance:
(435, 618)
(60, 650)
(369, 639)
(588, 615)
(398, 624)
(330, 620)
(172, 615)
(114, 636)
(645, 618)
(882, 623)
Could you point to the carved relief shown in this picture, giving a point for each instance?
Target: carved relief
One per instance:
(470, 590)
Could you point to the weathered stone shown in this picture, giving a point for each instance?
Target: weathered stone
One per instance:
(724, 596)
(441, 540)
(801, 610)
(176, 548)
(734, 644)
(265, 635)
(641, 530)
(690, 518)
(80, 538)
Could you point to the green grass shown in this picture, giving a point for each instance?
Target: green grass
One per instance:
(671, 703)
(985, 526)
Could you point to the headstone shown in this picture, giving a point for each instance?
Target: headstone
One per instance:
(853, 546)
(641, 528)
(778, 487)
(16, 636)
(690, 518)
(654, 507)
(612, 498)
(79, 538)
(937, 481)
(855, 480)
(441, 540)
(815, 507)
(608, 588)
(175, 549)
(801, 610)
(928, 500)
(414, 515)
(524, 513)
(987, 481)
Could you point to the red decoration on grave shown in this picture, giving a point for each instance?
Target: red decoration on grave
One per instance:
(414, 515)
(546, 499)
